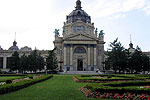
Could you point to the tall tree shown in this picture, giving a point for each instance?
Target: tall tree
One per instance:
(116, 56)
(40, 62)
(51, 61)
(23, 63)
(36, 61)
(145, 63)
(139, 62)
(14, 61)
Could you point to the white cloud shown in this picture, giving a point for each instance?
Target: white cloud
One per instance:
(107, 8)
(117, 16)
(147, 8)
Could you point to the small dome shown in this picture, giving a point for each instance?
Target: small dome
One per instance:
(26, 48)
(14, 47)
(78, 14)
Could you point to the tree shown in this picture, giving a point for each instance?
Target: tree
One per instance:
(14, 61)
(116, 57)
(40, 62)
(139, 62)
(24, 63)
(145, 63)
(36, 62)
(51, 61)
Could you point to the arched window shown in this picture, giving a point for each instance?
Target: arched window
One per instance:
(80, 50)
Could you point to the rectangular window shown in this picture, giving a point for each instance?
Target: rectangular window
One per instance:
(8, 62)
(1, 62)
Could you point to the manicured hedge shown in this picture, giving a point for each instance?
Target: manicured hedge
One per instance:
(12, 75)
(22, 84)
(90, 78)
(15, 76)
(120, 87)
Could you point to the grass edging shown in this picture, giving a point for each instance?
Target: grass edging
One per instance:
(23, 84)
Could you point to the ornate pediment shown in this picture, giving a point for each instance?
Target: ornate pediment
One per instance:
(80, 37)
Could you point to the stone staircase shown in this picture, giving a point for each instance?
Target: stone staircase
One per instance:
(80, 72)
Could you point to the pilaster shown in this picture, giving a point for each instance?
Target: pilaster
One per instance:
(95, 58)
(71, 57)
(4, 62)
(65, 64)
(89, 52)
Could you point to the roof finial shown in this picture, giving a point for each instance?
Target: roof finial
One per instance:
(15, 37)
(130, 45)
(130, 39)
(78, 5)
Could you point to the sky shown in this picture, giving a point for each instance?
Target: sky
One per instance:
(34, 21)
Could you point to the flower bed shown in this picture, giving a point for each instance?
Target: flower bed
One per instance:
(118, 90)
(6, 88)
(126, 96)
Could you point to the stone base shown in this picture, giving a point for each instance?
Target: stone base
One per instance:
(65, 68)
(71, 68)
(95, 68)
(89, 68)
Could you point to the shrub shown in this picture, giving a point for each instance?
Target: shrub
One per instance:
(8, 81)
(31, 77)
(109, 77)
(0, 71)
(22, 84)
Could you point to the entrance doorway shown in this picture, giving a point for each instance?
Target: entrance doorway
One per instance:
(80, 65)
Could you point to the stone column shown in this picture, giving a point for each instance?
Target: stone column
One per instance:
(95, 58)
(89, 53)
(71, 57)
(65, 64)
(4, 62)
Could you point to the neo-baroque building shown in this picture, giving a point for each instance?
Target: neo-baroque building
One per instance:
(80, 48)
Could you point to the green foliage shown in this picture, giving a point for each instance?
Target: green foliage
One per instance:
(8, 81)
(23, 63)
(33, 62)
(19, 85)
(121, 87)
(138, 61)
(51, 61)
(0, 70)
(120, 59)
(116, 56)
(5, 77)
(14, 61)
(109, 78)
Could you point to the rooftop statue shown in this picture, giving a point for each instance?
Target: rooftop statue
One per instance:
(101, 33)
(64, 29)
(57, 32)
(96, 30)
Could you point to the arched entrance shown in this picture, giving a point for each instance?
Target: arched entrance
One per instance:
(80, 65)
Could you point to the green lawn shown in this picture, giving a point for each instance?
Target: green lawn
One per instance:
(60, 87)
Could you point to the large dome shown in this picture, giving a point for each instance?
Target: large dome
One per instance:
(78, 14)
